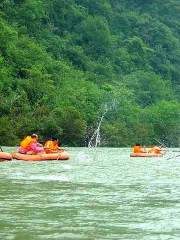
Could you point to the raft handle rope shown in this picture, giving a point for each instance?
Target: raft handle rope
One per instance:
(60, 154)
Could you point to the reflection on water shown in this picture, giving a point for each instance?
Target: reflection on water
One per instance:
(115, 197)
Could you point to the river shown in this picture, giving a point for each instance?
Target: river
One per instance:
(106, 196)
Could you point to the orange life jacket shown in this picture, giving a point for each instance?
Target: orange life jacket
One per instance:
(154, 150)
(26, 142)
(138, 149)
(157, 151)
(50, 146)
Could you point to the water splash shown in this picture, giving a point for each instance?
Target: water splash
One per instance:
(90, 153)
(95, 140)
(81, 156)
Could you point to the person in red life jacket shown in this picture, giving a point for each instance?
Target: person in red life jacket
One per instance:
(138, 149)
(51, 146)
(30, 145)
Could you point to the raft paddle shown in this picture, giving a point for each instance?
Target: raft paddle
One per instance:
(160, 142)
(1, 149)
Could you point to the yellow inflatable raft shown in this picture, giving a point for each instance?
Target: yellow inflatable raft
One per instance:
(145, 155)
(41, 157)
(4, 156)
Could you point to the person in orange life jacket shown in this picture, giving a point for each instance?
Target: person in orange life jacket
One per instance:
(157, 150)
(138, 148)
(30, 145)
(51, 146)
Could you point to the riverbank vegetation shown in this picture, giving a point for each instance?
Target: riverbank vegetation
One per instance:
(63, 63)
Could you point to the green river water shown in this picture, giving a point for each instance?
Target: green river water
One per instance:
(106, 196)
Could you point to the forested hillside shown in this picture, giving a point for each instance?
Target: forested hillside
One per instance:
(63, 63)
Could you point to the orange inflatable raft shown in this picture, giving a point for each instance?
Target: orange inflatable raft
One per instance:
(41, 157)
(4, 156)
(145, 155)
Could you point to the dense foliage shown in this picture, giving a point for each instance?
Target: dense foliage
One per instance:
(63, 63)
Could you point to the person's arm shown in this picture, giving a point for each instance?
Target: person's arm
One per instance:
(143, 149)
(39, 145)
(35, 148)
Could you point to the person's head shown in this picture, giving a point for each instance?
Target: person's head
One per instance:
(34, 136)
(54, 139)
(138, 144)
